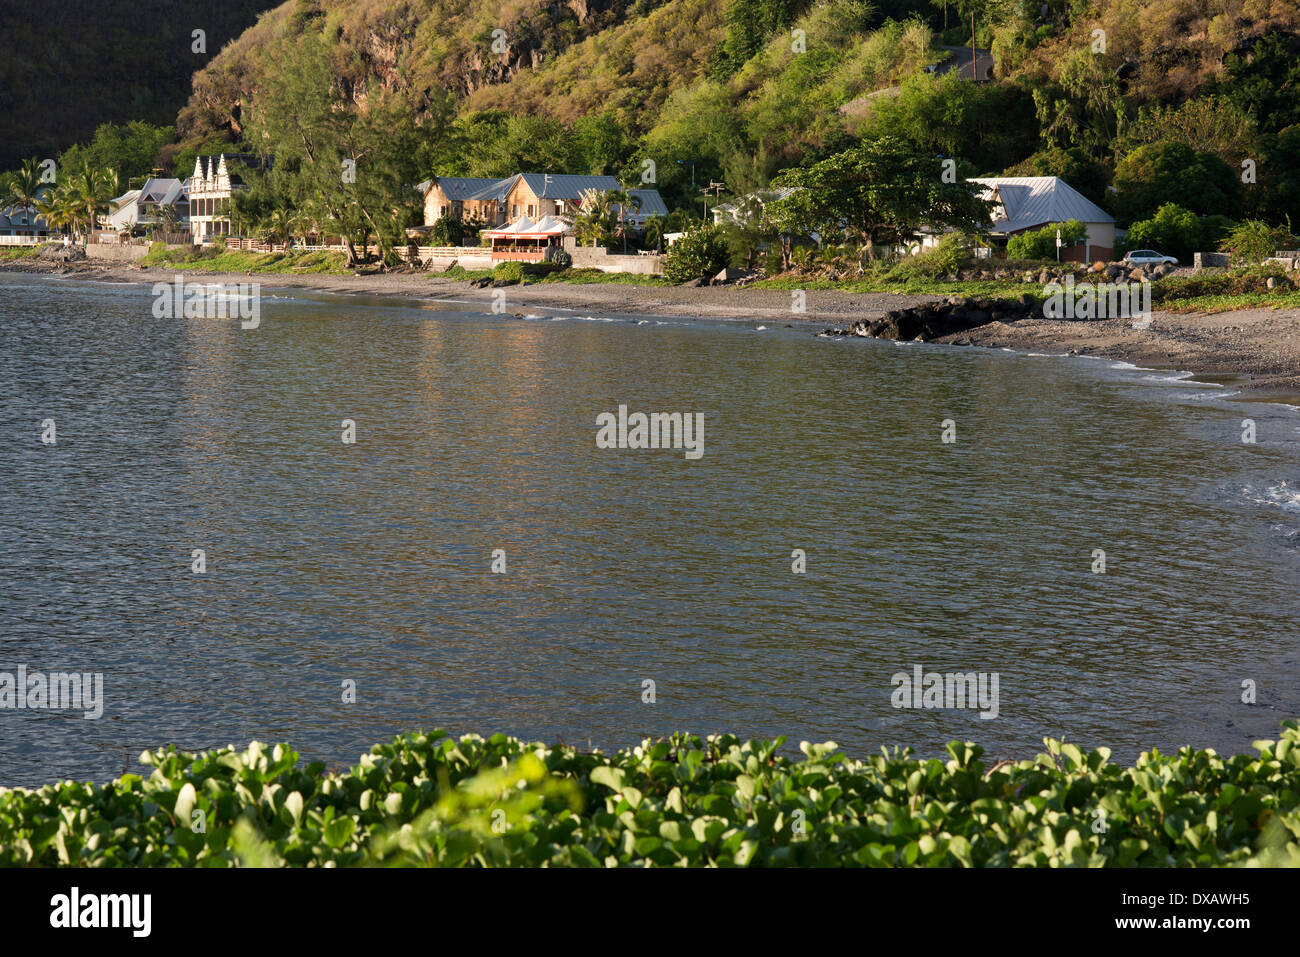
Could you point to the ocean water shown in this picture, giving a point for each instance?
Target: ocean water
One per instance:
(368, 566)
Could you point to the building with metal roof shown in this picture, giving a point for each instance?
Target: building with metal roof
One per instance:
(534, 195)
(139, 207)
(1029, 202)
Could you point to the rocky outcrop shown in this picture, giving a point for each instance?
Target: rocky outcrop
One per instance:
(936, 320)
(57, 252)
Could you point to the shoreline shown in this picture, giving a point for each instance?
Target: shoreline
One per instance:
(1257, 349)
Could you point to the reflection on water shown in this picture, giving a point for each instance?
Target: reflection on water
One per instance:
(371, 562)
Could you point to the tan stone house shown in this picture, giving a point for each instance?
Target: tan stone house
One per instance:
(464, 197)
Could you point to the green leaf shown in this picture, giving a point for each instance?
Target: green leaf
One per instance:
(609, 777)
(339, 831)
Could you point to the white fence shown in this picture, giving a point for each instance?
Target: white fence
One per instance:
(23, 240)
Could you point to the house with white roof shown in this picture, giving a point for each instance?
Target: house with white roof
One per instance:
(527, 240)
(140, 207)
(1023, 203)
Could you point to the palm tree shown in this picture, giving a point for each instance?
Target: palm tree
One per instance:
(165, 220)
(85, 194)
(596, 217)
(24, 186)
(279, 224)
(625, 206)
(57, 209)
(654, 230)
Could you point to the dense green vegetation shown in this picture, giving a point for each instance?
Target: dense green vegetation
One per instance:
(1041, 243)
(429, 800)
(701, 253)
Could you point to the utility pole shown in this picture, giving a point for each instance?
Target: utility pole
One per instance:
(713, 186)
(974, 74)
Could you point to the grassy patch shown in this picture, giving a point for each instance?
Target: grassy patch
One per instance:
(429, 800)
(460, 274)
(1228, 302)
(1227, 289)
(976, 288)
(18, 252)
(239, 261)
(589, 276)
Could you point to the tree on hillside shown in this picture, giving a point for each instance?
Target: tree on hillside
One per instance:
(991, 125)
(1088, 176)
(347, 167)
(1278, 194)
(1166, 172)
(600, 143)
(1262, 78)
(1209, 125)
(1083, 107)
(882, 191)
(749, 24)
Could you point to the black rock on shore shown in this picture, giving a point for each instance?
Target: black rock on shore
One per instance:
(936, 320)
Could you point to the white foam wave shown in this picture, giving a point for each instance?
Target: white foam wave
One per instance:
(1281, 496)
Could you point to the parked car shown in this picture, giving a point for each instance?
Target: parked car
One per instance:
(1148, 257)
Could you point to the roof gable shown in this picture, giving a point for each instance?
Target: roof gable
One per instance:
(458, 188)
(1029, 201)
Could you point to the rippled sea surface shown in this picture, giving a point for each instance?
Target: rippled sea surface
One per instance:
(371, 563)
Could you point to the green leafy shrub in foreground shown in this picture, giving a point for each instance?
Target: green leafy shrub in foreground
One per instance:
(701, 253)
(425, 799)
(1041, 243)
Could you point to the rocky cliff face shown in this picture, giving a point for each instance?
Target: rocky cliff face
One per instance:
(415, 48)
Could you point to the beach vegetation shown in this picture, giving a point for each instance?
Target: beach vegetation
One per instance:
(1041, 243)
(1253, 241)
(430, 800)
(951, 254)
(699, 254)
(219, 259)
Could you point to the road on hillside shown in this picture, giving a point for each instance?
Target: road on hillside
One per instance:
(959, 61)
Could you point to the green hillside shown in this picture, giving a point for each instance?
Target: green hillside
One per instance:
(1182, 108)
(734, 91)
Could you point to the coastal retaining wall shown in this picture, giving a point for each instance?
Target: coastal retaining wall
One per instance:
(587, 257)
(115, 253)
